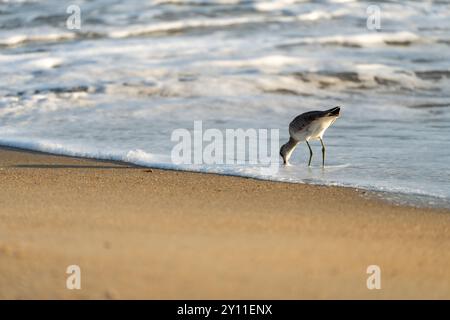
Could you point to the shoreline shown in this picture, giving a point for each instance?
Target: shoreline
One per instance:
(391, 197)
(142, 233)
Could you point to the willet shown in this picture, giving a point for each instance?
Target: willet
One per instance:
(308, 126)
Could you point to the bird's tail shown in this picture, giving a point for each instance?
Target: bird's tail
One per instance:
(333, 112)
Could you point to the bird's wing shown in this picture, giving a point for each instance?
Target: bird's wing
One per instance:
(301, 121)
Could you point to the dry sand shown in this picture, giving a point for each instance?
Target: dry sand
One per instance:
(141, 233)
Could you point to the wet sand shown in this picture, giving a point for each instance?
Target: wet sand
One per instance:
(154, 234)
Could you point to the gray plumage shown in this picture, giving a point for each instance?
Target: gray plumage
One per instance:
(301, 121)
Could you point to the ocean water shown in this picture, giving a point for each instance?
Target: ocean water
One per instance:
(137, 70)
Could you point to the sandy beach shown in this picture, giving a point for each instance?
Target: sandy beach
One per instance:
(154, 234)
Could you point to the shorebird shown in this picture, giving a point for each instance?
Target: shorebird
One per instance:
(308, 126)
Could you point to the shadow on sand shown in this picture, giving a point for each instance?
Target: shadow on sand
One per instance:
(70, 166)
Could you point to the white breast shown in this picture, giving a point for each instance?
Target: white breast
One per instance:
(314, 130)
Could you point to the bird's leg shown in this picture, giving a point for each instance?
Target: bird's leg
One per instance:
(310, 153)
(323, 152)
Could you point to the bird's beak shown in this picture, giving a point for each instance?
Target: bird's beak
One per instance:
(284, 159)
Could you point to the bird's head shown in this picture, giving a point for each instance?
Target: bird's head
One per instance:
(287, 149)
